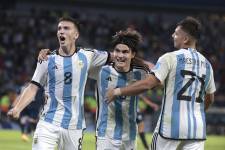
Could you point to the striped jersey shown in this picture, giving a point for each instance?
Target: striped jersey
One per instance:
(116, 120)
(64, 79)
(187, 76)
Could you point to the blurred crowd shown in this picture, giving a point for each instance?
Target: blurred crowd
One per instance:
(24, 33)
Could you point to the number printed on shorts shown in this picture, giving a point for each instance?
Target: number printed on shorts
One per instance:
(67, 77)
(80, 143)
(194, 77)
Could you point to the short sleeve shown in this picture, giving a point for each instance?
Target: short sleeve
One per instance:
(211, 88)
(94, 72)
(40, 74)
(162, 67)
(99, 58)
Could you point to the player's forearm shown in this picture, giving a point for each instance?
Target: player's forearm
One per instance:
(140, 86)
(26, 97)
(209, 99)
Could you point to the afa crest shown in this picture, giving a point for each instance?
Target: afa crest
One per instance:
(80, 63)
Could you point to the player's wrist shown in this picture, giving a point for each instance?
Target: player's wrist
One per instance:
(117, 92)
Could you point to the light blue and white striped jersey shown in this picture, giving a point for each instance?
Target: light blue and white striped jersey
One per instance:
(64, 79)
(186, 75)
(116, 120)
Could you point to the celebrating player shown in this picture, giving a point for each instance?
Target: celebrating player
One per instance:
(64, 76)
(189, 89)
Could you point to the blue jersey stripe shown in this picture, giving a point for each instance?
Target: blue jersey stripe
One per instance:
(67, 89)
(104, 110)
(190, 129)
(82, 82)
(193, 91)
(175, 116)
(121, 82)
(53, 103)
(194, 94)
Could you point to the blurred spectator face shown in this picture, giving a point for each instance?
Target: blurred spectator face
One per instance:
(180, 38)
(123, 56)
(67, 33)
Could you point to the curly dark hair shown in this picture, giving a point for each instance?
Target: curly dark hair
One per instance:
(131, 38)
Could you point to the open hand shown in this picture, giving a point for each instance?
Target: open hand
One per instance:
(110, 95)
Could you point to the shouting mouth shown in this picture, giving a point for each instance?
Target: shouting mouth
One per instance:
(62, 38)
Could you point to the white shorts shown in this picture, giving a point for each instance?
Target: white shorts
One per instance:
(110, 144)
(160, 143)
(48, 136)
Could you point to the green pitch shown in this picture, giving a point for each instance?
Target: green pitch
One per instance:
(10, 140)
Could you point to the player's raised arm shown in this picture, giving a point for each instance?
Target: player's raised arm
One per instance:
(25, 98)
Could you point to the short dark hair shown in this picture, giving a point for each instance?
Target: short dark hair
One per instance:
(129, 37)
(70, 19)
(192, 26)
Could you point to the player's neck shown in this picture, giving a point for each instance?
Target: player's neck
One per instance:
(67, 51)
(122, 69)
(189, 45)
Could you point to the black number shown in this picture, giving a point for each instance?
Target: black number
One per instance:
(80, 143)
(67, 77)
(202, 80)
(181, 96)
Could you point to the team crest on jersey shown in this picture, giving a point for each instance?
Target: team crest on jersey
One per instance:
(80, 63)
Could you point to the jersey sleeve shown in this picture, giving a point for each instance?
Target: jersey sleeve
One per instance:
(162, 67)
(94, 72)
(99, 58)
(211, 88)
(40, 74)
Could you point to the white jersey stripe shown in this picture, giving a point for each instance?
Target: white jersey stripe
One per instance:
(208, 74)
(82, 83)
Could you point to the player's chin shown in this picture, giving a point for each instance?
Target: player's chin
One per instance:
(120, 64)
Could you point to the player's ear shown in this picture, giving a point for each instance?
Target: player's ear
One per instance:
(76, 35)
(133, 54)
(186, 39)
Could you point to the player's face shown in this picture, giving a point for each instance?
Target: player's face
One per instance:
(179, 38)
(123, 56)
(67, 33)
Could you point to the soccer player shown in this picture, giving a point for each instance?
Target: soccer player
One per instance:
(189, 89)
(116, 122)
(64, 76)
